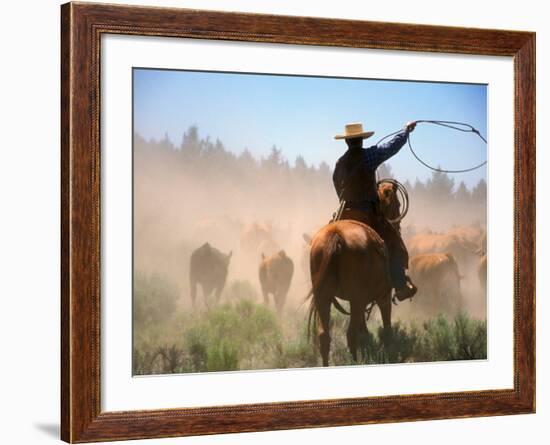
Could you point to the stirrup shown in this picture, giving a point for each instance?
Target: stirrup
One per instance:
(408, 291)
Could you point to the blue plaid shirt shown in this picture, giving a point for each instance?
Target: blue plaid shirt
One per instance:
(369, 158)
(373, 156)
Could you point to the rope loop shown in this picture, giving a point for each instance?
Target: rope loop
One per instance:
(458, 126)
(401, 190)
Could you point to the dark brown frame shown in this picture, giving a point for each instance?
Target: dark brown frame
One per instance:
(81, 28)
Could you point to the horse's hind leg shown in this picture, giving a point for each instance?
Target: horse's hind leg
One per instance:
(357, 328)
(385, 309)
(323, 332)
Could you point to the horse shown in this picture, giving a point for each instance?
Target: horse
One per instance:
(348, 260)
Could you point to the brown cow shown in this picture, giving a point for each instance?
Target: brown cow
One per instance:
(438, 280)
(473, 234)
(462, 247)
(275, 276)
(208, 267)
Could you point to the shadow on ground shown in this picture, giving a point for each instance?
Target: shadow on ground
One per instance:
(50, 429)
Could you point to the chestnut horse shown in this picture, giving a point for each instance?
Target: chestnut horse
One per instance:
(348, 260)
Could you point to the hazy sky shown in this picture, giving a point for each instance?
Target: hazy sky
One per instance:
(301, 115)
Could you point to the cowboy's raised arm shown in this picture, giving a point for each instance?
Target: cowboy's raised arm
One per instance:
(375, 156)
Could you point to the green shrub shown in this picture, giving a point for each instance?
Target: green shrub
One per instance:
(142, 361)
(242, 334)
(399, 346)
(239, 335)
(439, 339)
(297, 351)
(471, 338)
(154, 305)
(460, 339)
(222, 356)
(155, 299)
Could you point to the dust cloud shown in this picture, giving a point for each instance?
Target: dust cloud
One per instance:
(199, 192)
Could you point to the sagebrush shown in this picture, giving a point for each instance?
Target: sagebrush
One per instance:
(244, 334)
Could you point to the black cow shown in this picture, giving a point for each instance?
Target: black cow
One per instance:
(208, 267)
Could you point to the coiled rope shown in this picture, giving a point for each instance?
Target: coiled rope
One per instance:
(400, 188)
(459, 126)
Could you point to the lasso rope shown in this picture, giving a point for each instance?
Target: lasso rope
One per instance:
(400, 189)
(459, 126)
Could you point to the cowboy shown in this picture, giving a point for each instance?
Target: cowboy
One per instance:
(355, 182)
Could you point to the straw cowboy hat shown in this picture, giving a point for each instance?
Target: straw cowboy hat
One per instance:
(353, 131)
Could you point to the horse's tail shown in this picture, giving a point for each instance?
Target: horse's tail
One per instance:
(331, 249)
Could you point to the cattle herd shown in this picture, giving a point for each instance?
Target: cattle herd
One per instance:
(440, 264)
(208, 266)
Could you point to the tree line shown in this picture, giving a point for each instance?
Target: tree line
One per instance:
(201, 156)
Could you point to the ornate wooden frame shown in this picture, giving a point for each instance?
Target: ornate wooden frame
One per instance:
(81, 28)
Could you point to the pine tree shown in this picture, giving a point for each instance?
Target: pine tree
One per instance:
(419, 188)
(479, 193)
(440, 186)
(462, 194)
(300, 165)
(324, 170)
(191, 145)
(246, 160)
(275, 159)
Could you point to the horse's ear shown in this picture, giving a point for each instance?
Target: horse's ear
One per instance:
(306, 238)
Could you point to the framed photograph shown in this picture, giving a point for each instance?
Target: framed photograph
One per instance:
(274, 222)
